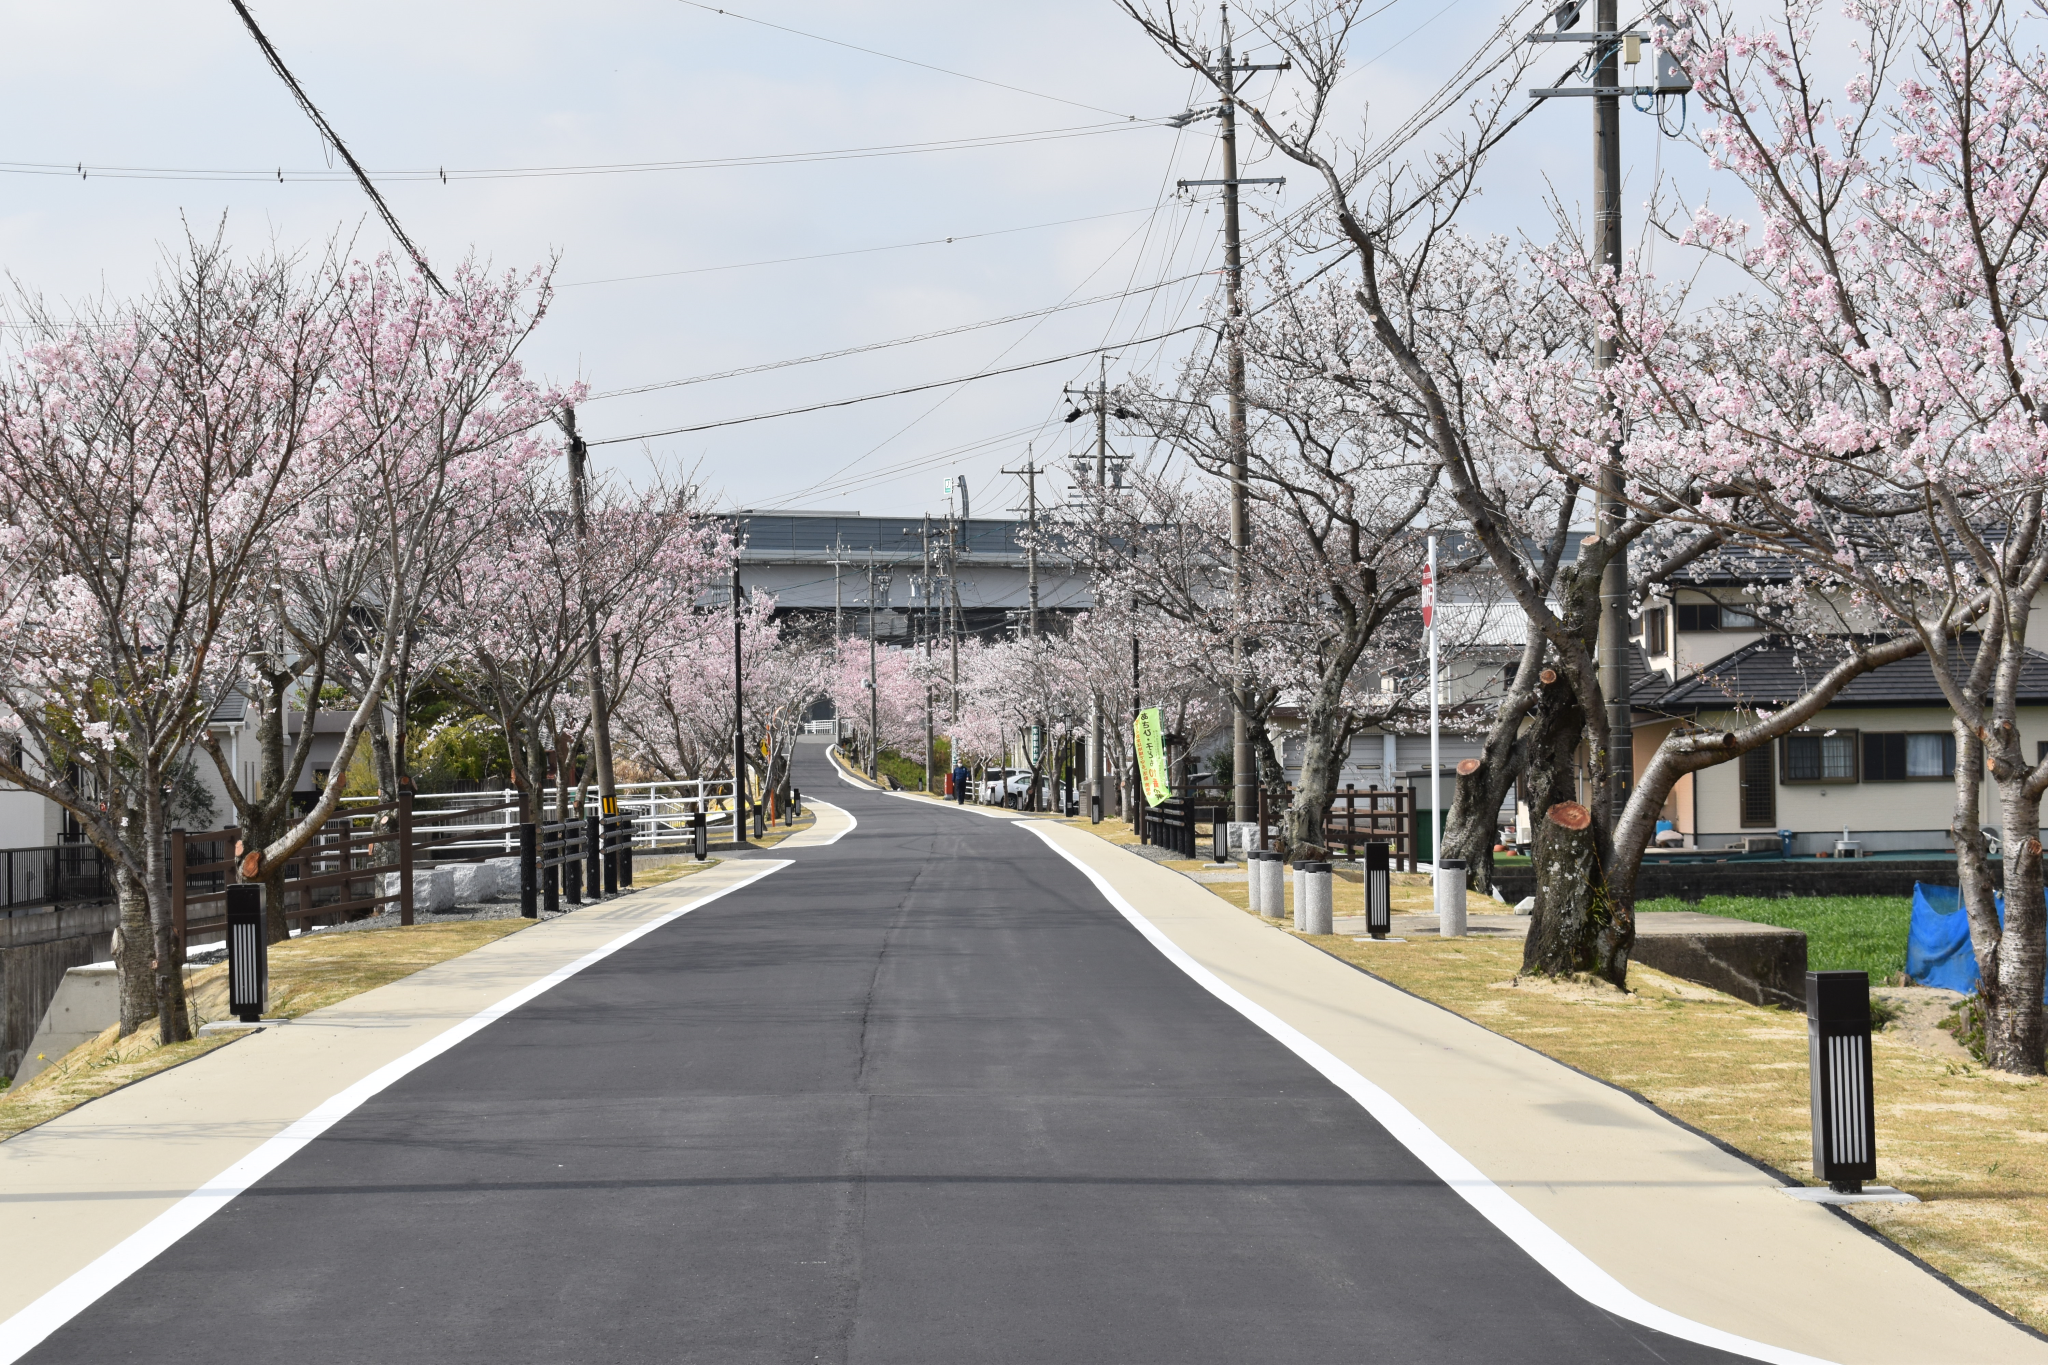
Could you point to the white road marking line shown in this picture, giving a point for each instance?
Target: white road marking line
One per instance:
(28, 1328)
(1573, 1267)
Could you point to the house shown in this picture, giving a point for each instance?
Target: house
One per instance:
(1879, 763)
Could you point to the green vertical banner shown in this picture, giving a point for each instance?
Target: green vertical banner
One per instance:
(1151, 755)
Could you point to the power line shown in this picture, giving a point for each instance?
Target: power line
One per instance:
(334, 139)
(1014, 344)
(884, 345)
(859, 250)
(419, 174)
(907, 61)
(871, 397)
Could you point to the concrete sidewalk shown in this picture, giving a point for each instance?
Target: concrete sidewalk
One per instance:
(80, 1186)
(1674, 1218)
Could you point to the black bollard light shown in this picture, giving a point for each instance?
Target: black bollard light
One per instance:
(1844, 1096)
(529, 871)
(1379, 890)
(1219, 835)
(248, 956)
(700, 836)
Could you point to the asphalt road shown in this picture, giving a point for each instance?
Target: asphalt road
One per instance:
(922, 1096)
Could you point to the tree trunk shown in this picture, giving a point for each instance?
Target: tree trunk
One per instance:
(1323, 732)
(2013, 1038)
(174, 1021)
(1473, 826)
(1577, 926)
(133, 952)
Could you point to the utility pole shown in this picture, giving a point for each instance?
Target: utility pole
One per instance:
(924, 616)
(874, 697)
(1612, 49)
(959, 618)
(1243, 780)
(1029, 473)
(600, 707)
(838, 596)
(739, 723)
(1098, 400)
(1097, 798)
(1613, 639)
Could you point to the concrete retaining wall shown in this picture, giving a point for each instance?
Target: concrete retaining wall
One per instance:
(37, 948)
(1760, 964)
(1815, 877)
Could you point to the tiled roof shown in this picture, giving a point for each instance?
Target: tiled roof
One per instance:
(1775, 672)
(231, 709)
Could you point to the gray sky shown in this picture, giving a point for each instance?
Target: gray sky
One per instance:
(512, 84)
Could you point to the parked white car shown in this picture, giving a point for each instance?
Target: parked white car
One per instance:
(998, 785)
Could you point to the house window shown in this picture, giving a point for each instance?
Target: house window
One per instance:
(1759, 795)
(1655, 640)
(1908, 757)
(1821, 758)
(1713, 616)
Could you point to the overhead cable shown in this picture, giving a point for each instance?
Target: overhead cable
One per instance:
(907, 61)
(334, 139)
(856, 251)
(891, 393)
(445, 175)
(884, 345)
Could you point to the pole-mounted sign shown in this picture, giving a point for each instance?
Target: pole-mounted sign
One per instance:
(1151, 743)
(1429, 591)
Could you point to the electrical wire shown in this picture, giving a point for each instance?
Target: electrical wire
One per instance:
(907, 61)
(871, 397)
(877, 345)
(987, 369)
(444, 175)
(334, 140)
(857, 251)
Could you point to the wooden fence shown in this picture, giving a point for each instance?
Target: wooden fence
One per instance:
(1376, 815)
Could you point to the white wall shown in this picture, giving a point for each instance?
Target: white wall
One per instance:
(1883, 816)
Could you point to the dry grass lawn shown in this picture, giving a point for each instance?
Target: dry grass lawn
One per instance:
(1972, 1144)
(306, 974)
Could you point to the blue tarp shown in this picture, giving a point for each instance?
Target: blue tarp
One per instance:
(1938, 940)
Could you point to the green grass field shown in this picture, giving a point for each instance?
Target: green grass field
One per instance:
(1843, 933)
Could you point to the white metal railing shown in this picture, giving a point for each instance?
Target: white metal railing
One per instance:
(821, 727)
(663, 812)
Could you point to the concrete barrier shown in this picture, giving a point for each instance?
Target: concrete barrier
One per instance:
(433, 889)
(87, 1004)
(475, 882)
(1760, 963)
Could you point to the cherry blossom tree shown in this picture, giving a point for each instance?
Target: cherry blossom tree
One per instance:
(898, 694)
(515, 610)
(1868, 410)
(146, 457)
(430, 417)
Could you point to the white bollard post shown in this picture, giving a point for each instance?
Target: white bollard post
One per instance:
(1255, 880)
(1317, 919)
(1450, 898)
(1275, 872)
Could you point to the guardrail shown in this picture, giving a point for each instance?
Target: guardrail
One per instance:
(662, 812)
